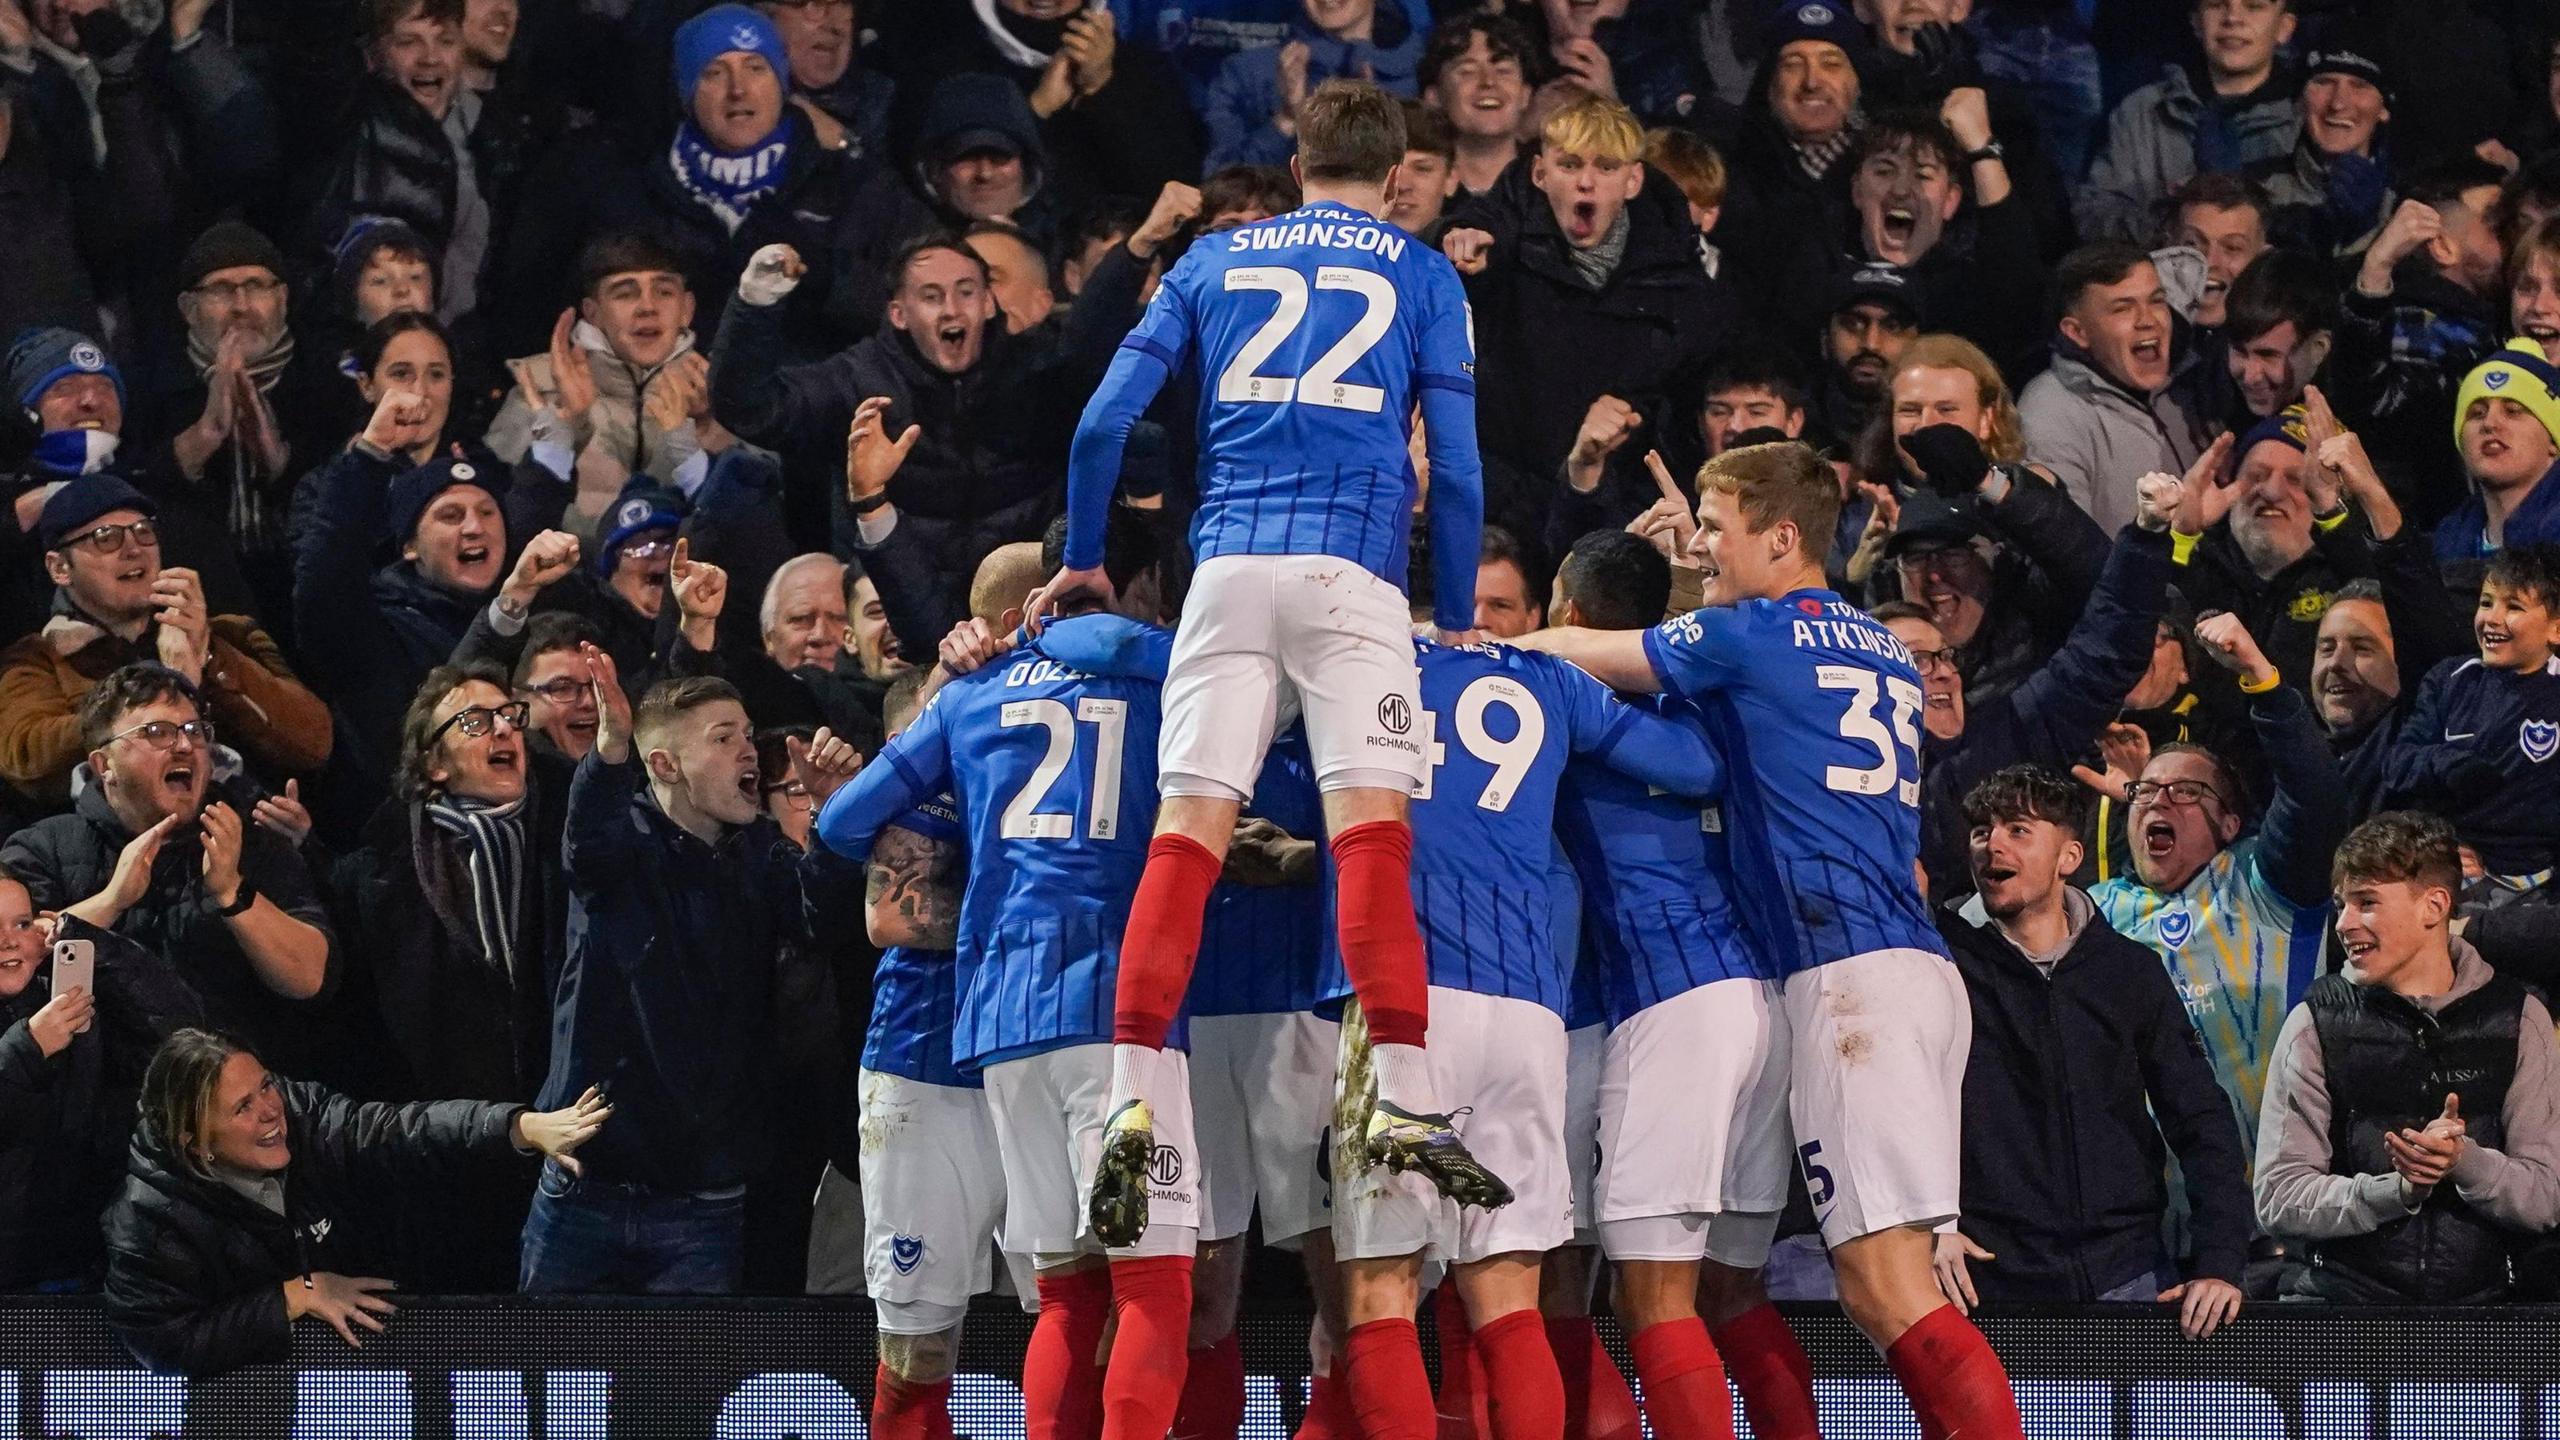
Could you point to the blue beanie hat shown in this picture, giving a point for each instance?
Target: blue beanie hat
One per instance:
(717, 31)
(1826, 20)
(415, 490)
(83, 502)
(39, 357)
(643, 505)
(2288, 426)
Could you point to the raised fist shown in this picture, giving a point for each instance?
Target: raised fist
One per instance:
(773, 273)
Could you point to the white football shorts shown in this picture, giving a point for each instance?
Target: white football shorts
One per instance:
(1879, 1045)
(1266, 636)
(1582, 1052)
(1693, 1119)
(1262, 1091)
(1048, 1111)
(932, 1200)
(1500, 1068)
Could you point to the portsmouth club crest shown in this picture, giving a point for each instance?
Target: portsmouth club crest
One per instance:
(2538, 739)
(2175, 927)
(906, 1252)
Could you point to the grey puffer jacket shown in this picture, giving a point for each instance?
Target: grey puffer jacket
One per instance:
(2150, 150)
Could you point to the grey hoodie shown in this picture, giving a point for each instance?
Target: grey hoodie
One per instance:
(2518, 1186)
(2098, 438)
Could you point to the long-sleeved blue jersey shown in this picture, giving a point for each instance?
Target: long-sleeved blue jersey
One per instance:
(1055, 772)
(1816, 709)
(2483, 745)
(1315, 335)
(1499, 725)
(1261, 946)
(914, 992)
(1658, 918)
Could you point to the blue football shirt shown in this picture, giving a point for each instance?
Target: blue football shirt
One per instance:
(1816, 710)
(1055, 774)
(1315, 335)
(914, 991)
(1261, 946)
(1498, 727)
(1658, 916)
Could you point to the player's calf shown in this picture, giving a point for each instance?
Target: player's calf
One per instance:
(1955, 1383)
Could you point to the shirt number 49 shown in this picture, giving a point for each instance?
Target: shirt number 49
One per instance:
(1897, 745)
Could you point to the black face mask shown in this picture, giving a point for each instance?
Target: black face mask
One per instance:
(1045, 36)
(103, 34)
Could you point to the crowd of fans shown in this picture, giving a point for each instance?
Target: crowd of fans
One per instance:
(400, 441)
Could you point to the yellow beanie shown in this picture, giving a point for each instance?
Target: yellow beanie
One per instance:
(2518, 373)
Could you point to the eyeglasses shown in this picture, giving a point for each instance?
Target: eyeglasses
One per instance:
(1951, 558)
(793, 793)
(563, 691)
(2173, 792)
(163, 734)
(229, 292)
(1929, 660)
(644, 549)
(108, 539)
(478, 720)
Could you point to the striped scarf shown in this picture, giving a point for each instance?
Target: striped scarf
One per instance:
(493, 847)
(258, 526)
(1817, 158)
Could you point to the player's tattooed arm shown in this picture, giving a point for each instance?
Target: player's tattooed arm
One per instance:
(913, 893)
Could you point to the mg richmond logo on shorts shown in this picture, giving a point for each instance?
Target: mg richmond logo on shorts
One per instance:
(1164, 1167)
(1396, 713)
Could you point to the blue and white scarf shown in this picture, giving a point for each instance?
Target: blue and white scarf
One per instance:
(730, 182)
(492, 838)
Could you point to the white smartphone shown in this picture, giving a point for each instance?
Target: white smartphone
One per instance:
(75, 965)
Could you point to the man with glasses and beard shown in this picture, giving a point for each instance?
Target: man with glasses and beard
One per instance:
(154, 851)
(114, 603)
(2237, 921)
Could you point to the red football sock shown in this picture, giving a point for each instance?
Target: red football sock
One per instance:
(1390, 1392)
(1328, 1414)
(1597, 1403)
(1162, 939)
(1772, 1371)
(904, 1411)
(1462, 1400)
(1683, 1381)
(1956, 1385)
(1212, 1405)
(1381, 941)
(1061, 1388)
(1150, 1348)
(1523, 1392)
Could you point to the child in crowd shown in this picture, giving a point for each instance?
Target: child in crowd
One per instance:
(2481, 743)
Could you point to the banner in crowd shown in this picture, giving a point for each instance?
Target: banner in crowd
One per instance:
(748, 1370)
